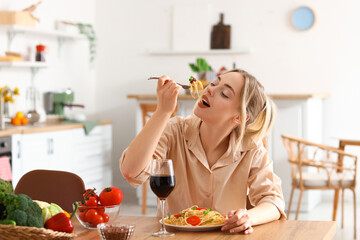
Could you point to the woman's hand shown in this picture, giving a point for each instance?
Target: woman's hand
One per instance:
(238, 221)
(167, 92)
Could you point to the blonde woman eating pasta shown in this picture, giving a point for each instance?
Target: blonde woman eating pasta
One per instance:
(217, 152)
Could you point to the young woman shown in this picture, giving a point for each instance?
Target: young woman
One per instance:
(218, 156)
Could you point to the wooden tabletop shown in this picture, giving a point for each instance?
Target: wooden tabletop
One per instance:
(280, 230)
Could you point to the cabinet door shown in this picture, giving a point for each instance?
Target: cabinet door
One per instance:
(36, 151)
(16, 166)
(91, 157)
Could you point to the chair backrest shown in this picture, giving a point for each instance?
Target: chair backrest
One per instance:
(148, 108)
(60, 187)
(303, 153)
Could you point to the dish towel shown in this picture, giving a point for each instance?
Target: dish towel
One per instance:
(88, 125)
(5, 168)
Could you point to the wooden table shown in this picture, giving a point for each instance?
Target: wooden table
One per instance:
(279, 230)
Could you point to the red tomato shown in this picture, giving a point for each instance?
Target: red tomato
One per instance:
(97, 220)
(201, 208)
(178, 215)
(111, 196)
(100, 210)
(92, 201)
(82, 216)
(193, 220)
(90, 193)
(105, 217)
(91, 215)
(81, 207)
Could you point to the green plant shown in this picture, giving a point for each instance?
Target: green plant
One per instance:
(89, 32)
(202, 66)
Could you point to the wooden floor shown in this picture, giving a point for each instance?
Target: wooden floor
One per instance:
(320, 213)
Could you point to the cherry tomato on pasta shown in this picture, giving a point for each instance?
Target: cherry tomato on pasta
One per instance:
(193, 220)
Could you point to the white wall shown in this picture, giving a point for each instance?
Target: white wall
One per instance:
(70, 70)
(285, 60)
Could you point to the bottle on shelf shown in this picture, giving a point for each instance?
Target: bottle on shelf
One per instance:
(40, 53)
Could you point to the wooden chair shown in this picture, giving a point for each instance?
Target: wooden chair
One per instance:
(330, 174)
(62, 188)
(147, 110)
(342, 144)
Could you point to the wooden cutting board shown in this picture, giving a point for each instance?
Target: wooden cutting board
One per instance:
(10, 58)
(220, 35)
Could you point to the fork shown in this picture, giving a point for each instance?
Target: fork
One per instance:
(181, 85)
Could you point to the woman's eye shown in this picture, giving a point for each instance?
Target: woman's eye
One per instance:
(211, 84)
(224, 95)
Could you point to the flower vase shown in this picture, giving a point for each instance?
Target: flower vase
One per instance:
(6, 110)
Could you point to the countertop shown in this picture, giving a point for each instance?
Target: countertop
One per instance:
(43, 127)
(273, 96)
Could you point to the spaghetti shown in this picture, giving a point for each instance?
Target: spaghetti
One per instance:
(196, 88)
(195, 216)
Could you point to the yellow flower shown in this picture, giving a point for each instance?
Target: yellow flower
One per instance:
(16, 91)
(7, 96)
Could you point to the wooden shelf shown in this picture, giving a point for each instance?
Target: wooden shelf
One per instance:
(242, 50)
(14, 29)
(24, 64)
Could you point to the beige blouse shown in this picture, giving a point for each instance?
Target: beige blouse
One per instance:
(247, 171)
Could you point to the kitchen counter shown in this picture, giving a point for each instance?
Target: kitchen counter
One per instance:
(42, 127)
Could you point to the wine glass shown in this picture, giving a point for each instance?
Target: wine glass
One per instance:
(162, 182)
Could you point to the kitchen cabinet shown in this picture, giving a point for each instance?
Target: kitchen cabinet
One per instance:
(88, 156)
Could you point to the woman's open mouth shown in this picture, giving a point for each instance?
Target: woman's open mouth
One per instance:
(204, 103)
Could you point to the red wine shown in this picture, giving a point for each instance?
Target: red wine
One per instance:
(162, 185)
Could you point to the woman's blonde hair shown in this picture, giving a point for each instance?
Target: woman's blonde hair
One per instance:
(256, 105)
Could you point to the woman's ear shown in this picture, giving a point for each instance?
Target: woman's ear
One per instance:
(237, 119)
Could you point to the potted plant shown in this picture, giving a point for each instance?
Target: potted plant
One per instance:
(86, 29)
(203, 70)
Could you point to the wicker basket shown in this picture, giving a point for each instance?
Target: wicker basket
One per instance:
(10, 232)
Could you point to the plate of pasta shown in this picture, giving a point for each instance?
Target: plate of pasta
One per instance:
(196, 219)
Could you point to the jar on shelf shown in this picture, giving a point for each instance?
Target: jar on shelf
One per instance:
(40, 53)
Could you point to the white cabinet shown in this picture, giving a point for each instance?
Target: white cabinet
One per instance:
(16, 158)
(88, 156)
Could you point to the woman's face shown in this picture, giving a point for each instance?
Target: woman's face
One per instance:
(221, 99)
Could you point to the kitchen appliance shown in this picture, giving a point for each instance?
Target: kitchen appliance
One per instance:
(55, 102)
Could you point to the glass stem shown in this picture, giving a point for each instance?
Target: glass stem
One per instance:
(162, 204)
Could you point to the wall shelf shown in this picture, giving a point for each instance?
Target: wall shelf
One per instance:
(236, 51)
(14, 29)
(24, 64)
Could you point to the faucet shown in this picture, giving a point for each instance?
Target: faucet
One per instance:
(2, 106)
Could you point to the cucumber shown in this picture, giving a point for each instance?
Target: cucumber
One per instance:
(8, 222)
